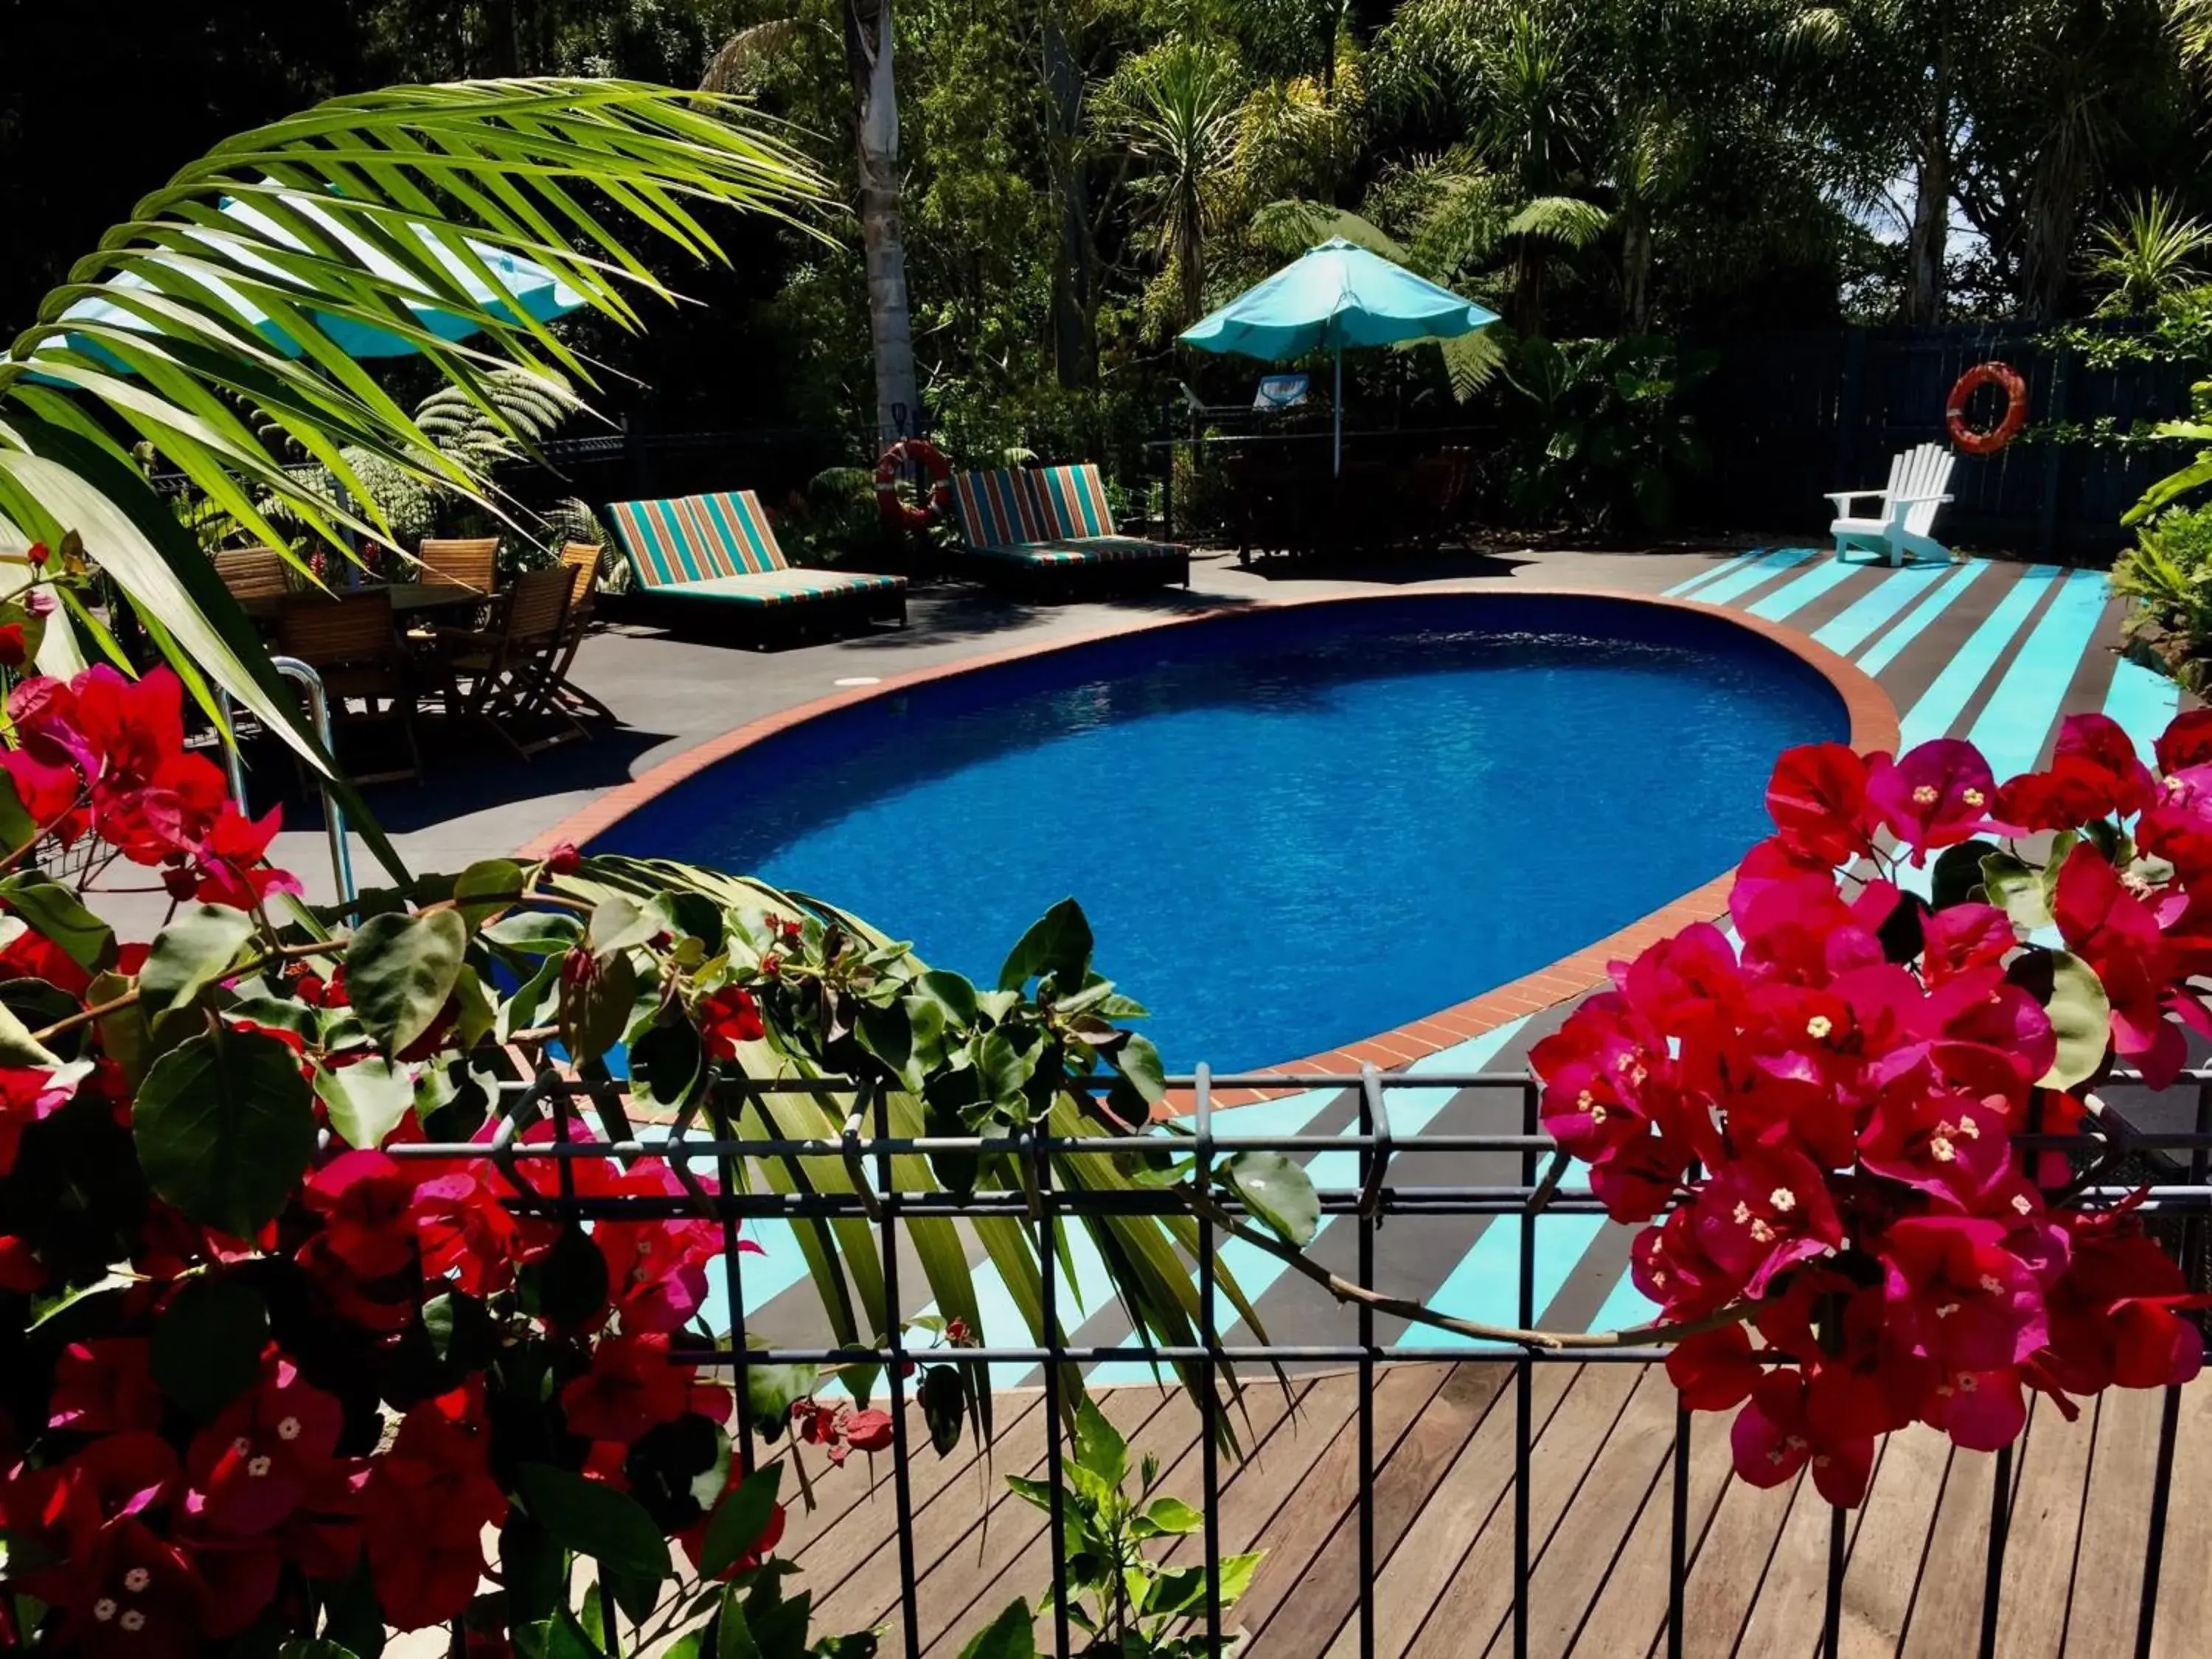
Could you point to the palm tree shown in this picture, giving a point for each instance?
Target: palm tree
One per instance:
(1178, 115)
(219, 346)
(2149, 251)
(868, 55)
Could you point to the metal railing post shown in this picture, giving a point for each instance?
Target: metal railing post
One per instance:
(318, 710)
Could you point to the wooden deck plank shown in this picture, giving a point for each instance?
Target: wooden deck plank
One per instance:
(1729, 1564)
(2185, 1588)
(1630, 1615)
(1792, 1603)
(955, 1527)
(1328, 1594)
(2108, 1572)
(1571, 1572)
(1182, 1476)
(965, 1592)
(1945, 1619)
(1480, 1598)
(1252, 1496)
(838, 1492)
(2046, 1526)
(1327, 1490)
(1416, 1573)
(1892, 1541)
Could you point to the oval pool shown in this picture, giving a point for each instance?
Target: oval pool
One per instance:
(1292, 828)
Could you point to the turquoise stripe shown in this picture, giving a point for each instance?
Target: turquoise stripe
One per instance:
(1486, 1286)
(1704, 576)
(1939, 709)
(2143, 700)
(1898, 588)
(1625, 1309)
(1886, 648)
(1744, 580)
(2024, 706)
(1805, 589)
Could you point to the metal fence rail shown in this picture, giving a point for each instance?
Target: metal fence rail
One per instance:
(538, 1176)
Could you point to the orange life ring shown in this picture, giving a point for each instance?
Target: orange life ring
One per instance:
(897, 509)
(2015, 386)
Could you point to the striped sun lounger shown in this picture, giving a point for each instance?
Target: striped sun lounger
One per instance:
(717, 555)
(1051, 526)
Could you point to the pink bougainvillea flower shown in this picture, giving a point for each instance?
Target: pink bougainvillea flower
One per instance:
(1982, 1411)
(1958, 1296)
(138, 1597)
(2118, 936)
(258, 1459)
(1715, 1369)
(1817, 801)
(1961, 937)
(728, 1017)
(30, 1095)
(367, 1203)
(2186, 741)
(233, 860)
(1772, 1439)
(1935, 796)
(1951, 1146)
(427, 1502)
(1763, 1212)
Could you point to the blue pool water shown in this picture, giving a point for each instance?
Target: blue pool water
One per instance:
(1290, 829)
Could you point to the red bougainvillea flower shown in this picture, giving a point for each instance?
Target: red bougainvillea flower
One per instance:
(138, 1597)
(367, 1202)
(1961, 937)
(105, 1385)
(728, 1017)
(1766, 1211)
(1935, 796)
(1981, 1411)
(2095, 773)
(631, 1386)
(232, 866)
(2115, 1311)
(427, 1501)
(2118, 936)
(15, 649)
(1958, 1297)
(28, 1094)
(253, 1464)
(564, 859)
(1818, 799)
(656, 1270)
(1773, 1437)
(1715, 1369)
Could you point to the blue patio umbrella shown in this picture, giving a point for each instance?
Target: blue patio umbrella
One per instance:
(1335, 295)
(538, 291)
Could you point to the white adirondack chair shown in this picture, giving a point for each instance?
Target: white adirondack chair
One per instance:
(1917, 480)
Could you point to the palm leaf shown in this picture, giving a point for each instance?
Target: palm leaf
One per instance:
(352, 197)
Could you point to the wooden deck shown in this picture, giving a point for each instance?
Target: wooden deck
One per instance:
(1601, 1497)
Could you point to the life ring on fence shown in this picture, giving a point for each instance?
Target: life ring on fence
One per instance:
(897, 509)
(2015, 386)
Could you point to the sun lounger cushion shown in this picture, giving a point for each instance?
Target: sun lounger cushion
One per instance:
(1088, 549)
(722, 549)
(777, 588)
(998, 509)
(1073, 501)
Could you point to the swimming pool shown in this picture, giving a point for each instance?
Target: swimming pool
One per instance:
(1294, 827)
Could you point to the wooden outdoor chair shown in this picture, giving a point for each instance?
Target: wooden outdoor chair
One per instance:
(469, 563)
(258, 577)
(511, 669)
(581, 561)
(352, 644)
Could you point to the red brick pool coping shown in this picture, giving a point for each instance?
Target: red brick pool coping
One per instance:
(1873, 726)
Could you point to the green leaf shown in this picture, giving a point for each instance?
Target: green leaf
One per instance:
(1139, 1061)
(1012, 1635)
(530, 1564)
(2080, 1014)
(593, 1519)
(18, 1046)
(667, 1062)
(207, 1344)
(225, 1126)
(535, 933)
(191, 953)
(1058, 944)
(1958, 872)
(738, 1523)
(950, 992)
(943, 1395)
(2017, 890)
(770, 1390)
(17, 827)
(1280, 1193)
(1099, 1446)
(569, 1284)
(620, 922)
(733, 1638)
(365, 1100)
(314, 1648)
(400, 970)
(485, 886)
(595, 1011)
(57, 915)
(1173, 1516)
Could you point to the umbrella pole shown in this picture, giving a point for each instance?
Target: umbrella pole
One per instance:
(1336, 413)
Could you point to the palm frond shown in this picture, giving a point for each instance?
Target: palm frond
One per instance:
(1567, 220)
(739, 64)
(221, 337)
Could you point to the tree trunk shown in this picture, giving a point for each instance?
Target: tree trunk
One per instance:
(1930, 236)
(868, 55)
(1074, 331)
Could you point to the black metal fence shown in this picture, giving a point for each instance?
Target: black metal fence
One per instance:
(539, 1174)
(1789, 416)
